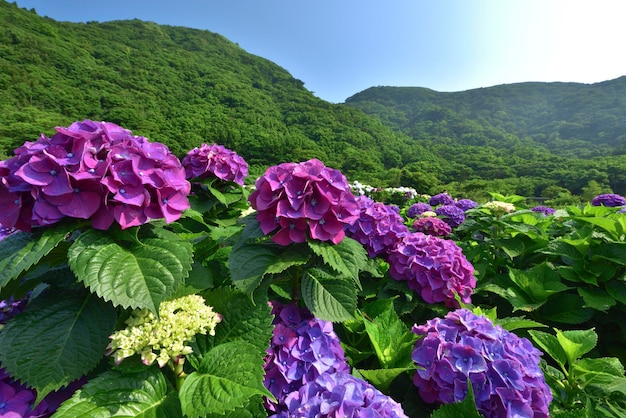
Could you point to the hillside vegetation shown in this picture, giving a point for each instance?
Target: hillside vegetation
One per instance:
(183, 87)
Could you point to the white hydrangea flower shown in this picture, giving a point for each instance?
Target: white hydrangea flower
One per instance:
(164, 339)
(499, 208)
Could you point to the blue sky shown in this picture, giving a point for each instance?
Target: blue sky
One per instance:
(340, 47)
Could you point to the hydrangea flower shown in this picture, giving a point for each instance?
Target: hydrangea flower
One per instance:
(432, 226)
(164, 339)
(428, 214)
(465, 204)
(502, 367)
(302, 200)
(433, 267)
(215, 160)
(91, 170)
(543, 209)
(417, 209)
(441, 199)
(498, 208)
(377, 228)
(301, 349)
(451, 214)
(339, 395)
(608, 199)
(16, 401)
(11, 307)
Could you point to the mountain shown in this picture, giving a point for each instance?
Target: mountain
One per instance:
(184, 87)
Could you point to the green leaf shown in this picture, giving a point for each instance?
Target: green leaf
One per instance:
(382, 378)
(347, 258)
(538, 282)
(292, 256)
(248, 263)
(614, 252)
(242, 320)
(606, 374)
(331, 298)
(609, 225)
(577, 343)
(135, 274)
(115, 394)
(21, 251)
(513, 323)
(57, 339)
(550, 345)
(229, 375)
(596, 299)
(566, 308)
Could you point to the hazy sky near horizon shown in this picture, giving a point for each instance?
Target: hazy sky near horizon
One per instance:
(340, 47)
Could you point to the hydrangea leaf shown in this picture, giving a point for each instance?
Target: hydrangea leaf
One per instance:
(242, 320)
(550, 345)
(137, 275)
(21, 251)
(577, 343)
(57, 339)
(113, 393)
(347, 258)
(466, 408)
(382, 378)
(229, 375)
(248, 263)
(331, 298)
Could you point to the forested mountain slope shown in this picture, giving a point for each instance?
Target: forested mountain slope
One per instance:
(183, 87)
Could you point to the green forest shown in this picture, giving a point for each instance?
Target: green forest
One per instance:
(183, 87)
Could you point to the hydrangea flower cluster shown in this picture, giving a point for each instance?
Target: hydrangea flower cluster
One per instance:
(441, 199)
(377, 228)
(432, 226)
(303, 200)
(608, 199)
(544, 210)
(11, 307)
(451, 214)
(498, 208)
(433, 267)
(94, 170)
(17, 400)
(502, 367)
(338, 395)
(164, 339)
(302, 348)
(215, 160)
(466, 204)
(416, 209)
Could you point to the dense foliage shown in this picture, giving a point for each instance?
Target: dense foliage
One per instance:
(184, 87)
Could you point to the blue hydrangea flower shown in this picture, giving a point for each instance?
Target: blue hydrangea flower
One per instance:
(302, 348)
(441, 199)
(451, 214)
(417, 209)
(338, 395)
(502, 367)
(608, 199)
(543, 209)
(465, 204)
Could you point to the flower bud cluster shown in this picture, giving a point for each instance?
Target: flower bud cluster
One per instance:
(302, 200)
(378, 228)
(215, 160)
(338, 395)
(502, 367)
(433, 267)
(94, 170)
(164, 339)
(498, 208)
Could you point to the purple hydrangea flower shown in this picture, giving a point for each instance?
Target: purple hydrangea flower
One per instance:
(543, 209)
(215, 160)
(338, 395)
(91, 170)
(304, 200)
(433, 267)
(451, 214)
(432, 226)
(608, 199)
(502, 367)
(302, 348)
(417, 209)
(377, 228)
(465, 204)
(11, 307)
(441, 199)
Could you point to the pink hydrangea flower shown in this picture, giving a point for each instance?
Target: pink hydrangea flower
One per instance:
(215, 160)
(304, 200)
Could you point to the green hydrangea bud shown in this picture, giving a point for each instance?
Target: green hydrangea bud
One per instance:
(164, 339)
(498, 208)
